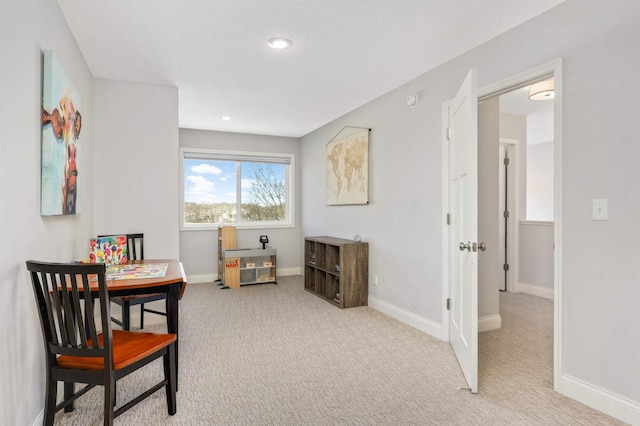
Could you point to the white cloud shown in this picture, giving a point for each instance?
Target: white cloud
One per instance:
(199, 190)
(206, 169)
(247, 183)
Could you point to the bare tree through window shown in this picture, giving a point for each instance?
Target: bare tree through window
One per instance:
(267, 193)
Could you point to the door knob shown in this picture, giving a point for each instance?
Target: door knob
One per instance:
(476, 247)
(464, 246)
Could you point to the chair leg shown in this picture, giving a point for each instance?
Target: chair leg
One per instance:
(68, 393)
(170, 375)
(141, 316)
(50, 401)
(126, 315)
(109, 398)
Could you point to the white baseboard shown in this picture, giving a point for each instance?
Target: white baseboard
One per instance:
(609, 403)
(409, 318)
(203, 278)
(492, 322)
(287, 272)
(208, 278)
(534, 290)
(40, 419)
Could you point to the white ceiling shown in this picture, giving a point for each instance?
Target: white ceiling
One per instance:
(345, 53)
(539, 114)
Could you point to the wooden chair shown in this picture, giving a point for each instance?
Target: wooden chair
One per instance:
(76, 351)
(135, 251)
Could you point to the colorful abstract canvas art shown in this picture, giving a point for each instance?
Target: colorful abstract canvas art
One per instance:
(110, 250)
(61, 125)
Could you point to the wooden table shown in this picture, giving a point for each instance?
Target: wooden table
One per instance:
(172, 284)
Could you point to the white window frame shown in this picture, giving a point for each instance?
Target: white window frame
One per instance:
(239, 156)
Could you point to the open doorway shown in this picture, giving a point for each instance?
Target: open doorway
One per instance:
(526, 193)
(516, 198)
(450, 246)
(524, 182)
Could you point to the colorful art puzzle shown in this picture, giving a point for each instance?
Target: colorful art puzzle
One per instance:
(110, 250)
(136, 271)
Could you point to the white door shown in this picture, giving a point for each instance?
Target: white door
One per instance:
(463, 233)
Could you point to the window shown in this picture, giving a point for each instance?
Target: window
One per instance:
(244, 189)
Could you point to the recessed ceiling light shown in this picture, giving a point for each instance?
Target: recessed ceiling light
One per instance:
(225, 118)
(279, 43)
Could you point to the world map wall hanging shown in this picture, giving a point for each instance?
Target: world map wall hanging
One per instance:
(348, 167)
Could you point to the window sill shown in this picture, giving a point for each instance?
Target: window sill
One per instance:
(214, 227)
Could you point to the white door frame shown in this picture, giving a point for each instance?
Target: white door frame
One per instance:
(551, 68)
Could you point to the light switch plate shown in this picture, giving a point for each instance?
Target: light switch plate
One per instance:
(600, 209)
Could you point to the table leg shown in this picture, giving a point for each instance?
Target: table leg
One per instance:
(172, 319)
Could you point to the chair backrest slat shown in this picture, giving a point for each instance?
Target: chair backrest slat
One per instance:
(74, 297)
(59, 328)
(89, 307)
(136, 241)
(46, 310)
(131, 248)
(77, 297)
(69, 310)
(68, 329)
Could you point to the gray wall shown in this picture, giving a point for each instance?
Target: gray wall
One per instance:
(540, 182)
(198, 248)
(27, 27)
(403, 221)
(536, 258)
(601, 151)
(136, 166)
(535, 240)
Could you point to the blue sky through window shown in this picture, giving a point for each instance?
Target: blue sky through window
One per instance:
(211, 181)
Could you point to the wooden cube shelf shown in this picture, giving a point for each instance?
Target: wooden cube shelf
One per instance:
(337, 270)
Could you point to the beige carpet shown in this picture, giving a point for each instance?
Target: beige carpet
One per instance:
(277, 355)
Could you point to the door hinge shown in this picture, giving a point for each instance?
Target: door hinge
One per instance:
(448, 304)
(449, 133)
(505, 267)
(506, 161)
(448, 218)
(506, 214)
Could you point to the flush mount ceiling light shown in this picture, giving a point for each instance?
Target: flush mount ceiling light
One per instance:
(279, 43)
(542, 91)
(225, 118)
